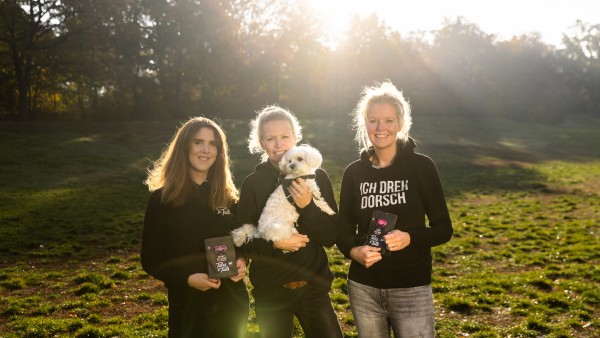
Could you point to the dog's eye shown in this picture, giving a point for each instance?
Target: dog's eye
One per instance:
(299, 159)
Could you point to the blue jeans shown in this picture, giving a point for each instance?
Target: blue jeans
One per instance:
(408, 311)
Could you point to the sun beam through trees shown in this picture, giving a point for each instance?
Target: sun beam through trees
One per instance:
(145, 59)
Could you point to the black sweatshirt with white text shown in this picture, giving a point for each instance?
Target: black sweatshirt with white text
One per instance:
(409, 188)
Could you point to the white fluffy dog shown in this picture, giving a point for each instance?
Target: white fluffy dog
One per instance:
(279, 216)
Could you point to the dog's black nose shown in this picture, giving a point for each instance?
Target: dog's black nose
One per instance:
(292, 166)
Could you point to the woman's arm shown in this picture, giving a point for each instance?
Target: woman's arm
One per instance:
(248, 213)
(319, 226)
(347, 237)
(440, 226)
(154, 252)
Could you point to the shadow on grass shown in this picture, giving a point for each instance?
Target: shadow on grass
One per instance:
(464, 169)
(73, 192)
(73, 222)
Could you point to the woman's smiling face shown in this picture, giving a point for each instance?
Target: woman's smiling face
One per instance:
(382, 125)
(202, 154)
(277, 137)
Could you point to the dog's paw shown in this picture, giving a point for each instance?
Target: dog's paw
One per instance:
(244, 234)
(322, 204)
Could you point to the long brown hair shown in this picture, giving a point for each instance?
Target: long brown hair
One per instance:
(172, 170)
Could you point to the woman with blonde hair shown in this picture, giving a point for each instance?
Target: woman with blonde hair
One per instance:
(296, 283)
(194, 198)
(389, 285)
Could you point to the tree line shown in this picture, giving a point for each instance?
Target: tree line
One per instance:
(148, 59)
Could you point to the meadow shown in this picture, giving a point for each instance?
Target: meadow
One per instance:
(524, 199)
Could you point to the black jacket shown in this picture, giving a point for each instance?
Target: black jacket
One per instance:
(173, 238)
(271, 266)
(409, 188)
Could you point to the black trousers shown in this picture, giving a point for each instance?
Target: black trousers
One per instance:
(276, 307)
(221, 313)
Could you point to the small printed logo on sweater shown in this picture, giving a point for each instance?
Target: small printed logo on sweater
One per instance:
(223, 211)
(383, 193)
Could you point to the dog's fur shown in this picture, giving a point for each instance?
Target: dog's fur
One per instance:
(278, 219)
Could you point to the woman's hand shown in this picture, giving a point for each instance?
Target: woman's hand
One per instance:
(200, 281)
(293, 243)
(366, 255)
(300, 193)
(241, 268)
(397, 240)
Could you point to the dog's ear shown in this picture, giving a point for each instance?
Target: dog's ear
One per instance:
(313, 156)
(282, 163)
(282, 166)
(284, 160)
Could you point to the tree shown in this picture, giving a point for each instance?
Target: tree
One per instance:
(457, 61)
(582, 65)
(27, 29)
(8, 97)
(109, 64)
(191, 44)
(373, 52)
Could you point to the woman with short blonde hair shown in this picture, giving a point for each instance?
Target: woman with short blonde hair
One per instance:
(390, 185)
(291, 277)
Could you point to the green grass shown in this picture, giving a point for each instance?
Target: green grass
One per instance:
(524, 198)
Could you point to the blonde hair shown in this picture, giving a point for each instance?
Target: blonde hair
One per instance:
(172, 170)
(268, 114)
(385, 92)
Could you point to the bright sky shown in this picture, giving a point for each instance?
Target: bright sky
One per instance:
(504, 18)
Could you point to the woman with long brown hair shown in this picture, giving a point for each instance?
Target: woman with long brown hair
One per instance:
(194, 198)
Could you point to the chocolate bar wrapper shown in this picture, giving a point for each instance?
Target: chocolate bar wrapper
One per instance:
(381, 223)
(220, 255)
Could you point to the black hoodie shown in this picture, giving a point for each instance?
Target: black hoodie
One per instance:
(271, 267)
(173, 239)
(410, 188)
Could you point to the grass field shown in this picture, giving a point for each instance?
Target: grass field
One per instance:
(524, 199)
